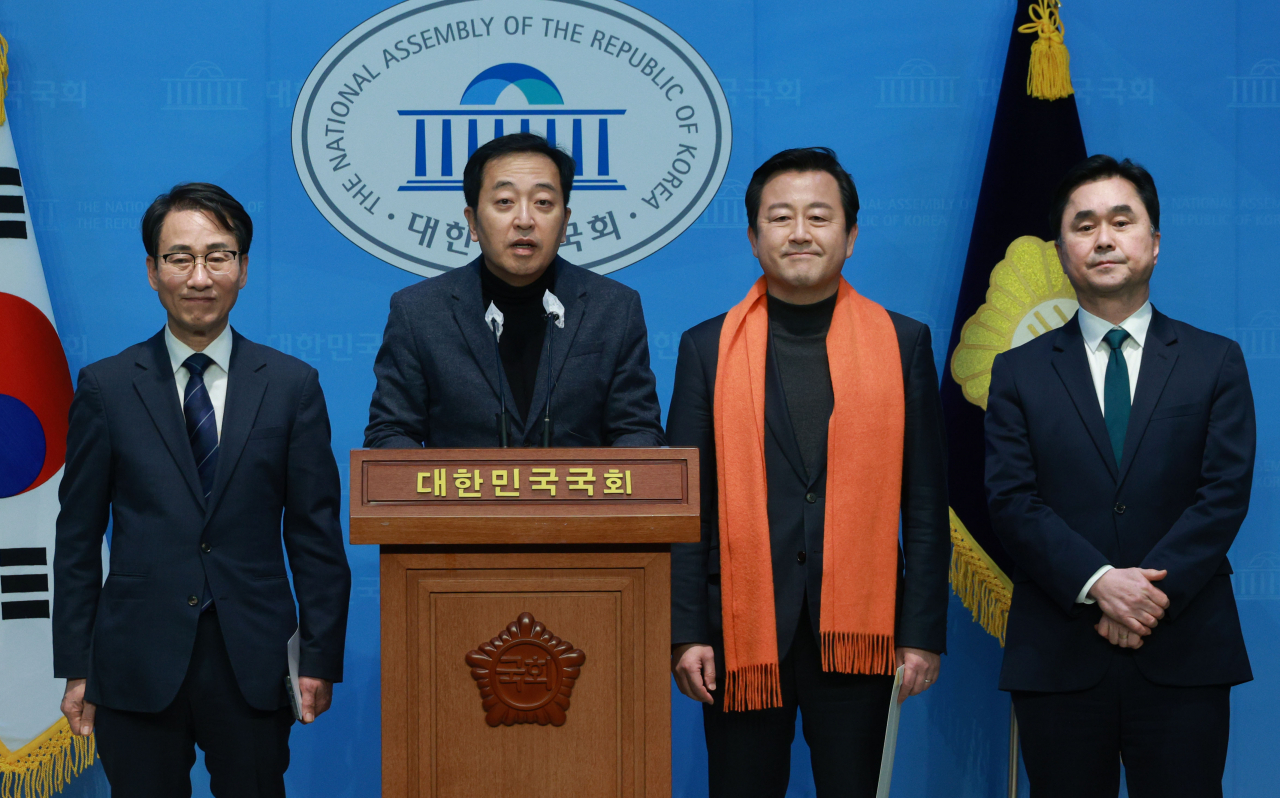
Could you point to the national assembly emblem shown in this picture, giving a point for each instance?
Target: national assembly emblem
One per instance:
(1028, 296)
(389, 116)
(525, 674)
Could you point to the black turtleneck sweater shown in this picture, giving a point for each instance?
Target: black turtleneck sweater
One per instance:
(524, 327)
(799, 338)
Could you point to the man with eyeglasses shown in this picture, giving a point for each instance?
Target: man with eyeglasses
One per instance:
(196, 444)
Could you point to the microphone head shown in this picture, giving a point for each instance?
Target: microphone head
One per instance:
(553, 307)
(490, 316)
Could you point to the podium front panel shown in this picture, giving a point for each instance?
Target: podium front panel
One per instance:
(610, 605)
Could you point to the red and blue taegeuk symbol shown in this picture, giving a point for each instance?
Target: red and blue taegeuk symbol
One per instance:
(35, 397)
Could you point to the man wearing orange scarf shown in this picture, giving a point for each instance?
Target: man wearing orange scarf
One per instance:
(817, 415)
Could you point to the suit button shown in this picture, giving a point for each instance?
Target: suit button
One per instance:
(1119, 508)
(811, 497)
(206, 548)
(800, 557)
(192, 600)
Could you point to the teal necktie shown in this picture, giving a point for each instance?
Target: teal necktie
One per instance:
(1115, 392)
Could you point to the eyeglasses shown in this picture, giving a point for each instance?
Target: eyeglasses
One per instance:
(221, 261)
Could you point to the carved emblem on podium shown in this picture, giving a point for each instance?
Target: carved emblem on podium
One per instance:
(525, 674)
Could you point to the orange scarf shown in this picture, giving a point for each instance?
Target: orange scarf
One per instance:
(864, 484)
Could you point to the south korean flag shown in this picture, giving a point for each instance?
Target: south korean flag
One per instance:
(37, 751)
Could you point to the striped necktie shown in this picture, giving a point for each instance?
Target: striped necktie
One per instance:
(202, 431)
(1115, 392)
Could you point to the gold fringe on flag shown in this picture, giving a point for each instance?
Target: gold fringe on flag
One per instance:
(1049, 76)
(982, 587)
(4, 75)
(45, 765)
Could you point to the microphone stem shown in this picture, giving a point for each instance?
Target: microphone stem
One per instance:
(546, 418)
(502, 391)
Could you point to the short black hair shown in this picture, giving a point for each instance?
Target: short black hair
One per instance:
(1102, 167)
(206, 197)
(510, 144)
(804, 159)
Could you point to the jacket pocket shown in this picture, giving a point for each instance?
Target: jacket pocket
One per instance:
(589, 349)
(1174, 411)
(267, 432)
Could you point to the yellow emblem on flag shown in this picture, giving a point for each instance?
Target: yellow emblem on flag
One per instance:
(1028, 296)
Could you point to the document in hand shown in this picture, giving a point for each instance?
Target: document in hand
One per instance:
(295, 700)
(890, 736)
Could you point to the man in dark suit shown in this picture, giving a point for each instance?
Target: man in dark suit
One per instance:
(444, 381)
(802, 210)
(1119, 462)
(196, 443)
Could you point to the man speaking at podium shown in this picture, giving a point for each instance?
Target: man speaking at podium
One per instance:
(518, 347)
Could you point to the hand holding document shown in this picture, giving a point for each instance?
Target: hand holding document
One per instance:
(890, 736)
(294, 647)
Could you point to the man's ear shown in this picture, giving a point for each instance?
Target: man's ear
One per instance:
(751, 236)
(853, 236)
(153, 275)
(470, 215)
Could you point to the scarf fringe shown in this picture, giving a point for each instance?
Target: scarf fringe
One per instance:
(858, 652)
(753, 687)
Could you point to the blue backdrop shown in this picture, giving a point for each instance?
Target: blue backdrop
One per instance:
(1190, 90)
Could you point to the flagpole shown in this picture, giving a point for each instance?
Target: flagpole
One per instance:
(1013, 752)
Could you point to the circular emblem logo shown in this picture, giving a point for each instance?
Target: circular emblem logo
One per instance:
(386, 121)
(1028, 296)
(525, 674)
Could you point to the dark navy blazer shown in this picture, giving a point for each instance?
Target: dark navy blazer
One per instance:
(128, 457)
(1063, 509)
(797, 503)
(438, 380)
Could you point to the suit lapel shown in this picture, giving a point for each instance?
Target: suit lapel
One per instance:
(1158, 358)
(468, 312)
(1070, 362)
(777, 416)
(246, 383)
(573, 295)
(159, 393)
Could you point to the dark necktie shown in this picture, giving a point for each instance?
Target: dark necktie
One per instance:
(1115, 392)
(202, 431)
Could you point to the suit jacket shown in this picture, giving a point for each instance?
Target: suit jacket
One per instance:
(438, 367)
(129, 461)
(797, 503)
(1063, 509)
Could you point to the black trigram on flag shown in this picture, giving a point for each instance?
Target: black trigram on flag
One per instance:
(11, 205)
(15, 607)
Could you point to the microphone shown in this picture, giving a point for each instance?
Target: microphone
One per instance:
(493, 318)
(555, 318)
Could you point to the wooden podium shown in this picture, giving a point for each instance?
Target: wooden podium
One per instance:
(525, 616)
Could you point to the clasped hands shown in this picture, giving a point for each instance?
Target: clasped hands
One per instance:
(694, 667)
(1131, 604)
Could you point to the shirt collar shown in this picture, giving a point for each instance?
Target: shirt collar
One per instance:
(1093, 328)
(218, 350)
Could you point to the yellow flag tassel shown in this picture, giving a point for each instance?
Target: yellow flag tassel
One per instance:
(4, 75)
(45, 765)
(1049, 76)
(982, 587)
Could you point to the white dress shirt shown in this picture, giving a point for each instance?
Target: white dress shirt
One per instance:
(215, 376)
(1098, 352)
